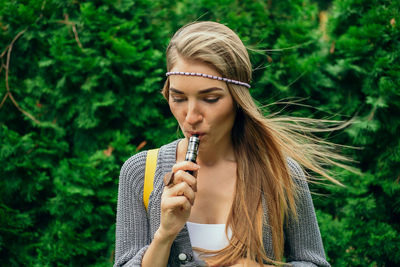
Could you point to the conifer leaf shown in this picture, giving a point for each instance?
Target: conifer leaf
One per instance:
(96, 105)
(377, 102)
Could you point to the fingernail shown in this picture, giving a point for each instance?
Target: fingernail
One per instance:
(168, 178)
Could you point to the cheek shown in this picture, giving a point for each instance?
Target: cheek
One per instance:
(226, 115)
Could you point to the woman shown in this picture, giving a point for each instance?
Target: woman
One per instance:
(250, 204)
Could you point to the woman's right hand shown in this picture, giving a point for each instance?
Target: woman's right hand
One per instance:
(177, 200)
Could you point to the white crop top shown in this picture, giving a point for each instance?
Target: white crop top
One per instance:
(207, 236)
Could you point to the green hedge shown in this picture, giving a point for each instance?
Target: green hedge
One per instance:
(81, 90)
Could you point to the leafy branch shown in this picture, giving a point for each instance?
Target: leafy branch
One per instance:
(7, 68)
(67, 22)
(7, 51)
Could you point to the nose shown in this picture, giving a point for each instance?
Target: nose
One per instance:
(193, 113)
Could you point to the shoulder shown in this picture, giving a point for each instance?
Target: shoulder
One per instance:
(134, 163)
(134, 167)
(167, 155)
(132, 171)
(297, 173)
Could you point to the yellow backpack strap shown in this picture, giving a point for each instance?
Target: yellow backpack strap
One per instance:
(150, 170)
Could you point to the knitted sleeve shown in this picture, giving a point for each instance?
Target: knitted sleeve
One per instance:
(132, 234)
(303, 243)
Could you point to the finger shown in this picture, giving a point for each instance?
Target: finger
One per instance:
(182, 176)
(181, 189)
(176, 202)
(169, 178)
(185, 166)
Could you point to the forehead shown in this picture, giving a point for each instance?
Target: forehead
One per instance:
(183, 82)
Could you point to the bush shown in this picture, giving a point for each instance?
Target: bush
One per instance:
(80, 94)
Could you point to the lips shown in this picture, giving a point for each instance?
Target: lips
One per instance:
(200, 134)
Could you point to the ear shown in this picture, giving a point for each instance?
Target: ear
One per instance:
(165, 90)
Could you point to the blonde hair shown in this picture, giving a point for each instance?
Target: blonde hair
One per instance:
(262, 143)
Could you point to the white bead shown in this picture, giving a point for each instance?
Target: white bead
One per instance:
(182, 257)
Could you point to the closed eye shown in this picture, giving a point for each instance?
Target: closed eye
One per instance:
(177, 99)
(211, 99)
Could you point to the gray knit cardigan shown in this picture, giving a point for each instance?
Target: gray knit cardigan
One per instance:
(135, 227)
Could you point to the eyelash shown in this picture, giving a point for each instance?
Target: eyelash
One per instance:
(211, 100)
(177, 100)
(208, 100)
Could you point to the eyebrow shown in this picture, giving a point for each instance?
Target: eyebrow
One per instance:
(204, 91)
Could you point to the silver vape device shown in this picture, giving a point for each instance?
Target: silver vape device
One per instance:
(192, 150)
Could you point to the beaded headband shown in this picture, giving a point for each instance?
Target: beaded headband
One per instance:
(207, 76)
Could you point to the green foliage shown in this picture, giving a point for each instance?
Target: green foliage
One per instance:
(366, 59)
(89, 73)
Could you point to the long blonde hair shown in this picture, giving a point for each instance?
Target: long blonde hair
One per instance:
(262, 143)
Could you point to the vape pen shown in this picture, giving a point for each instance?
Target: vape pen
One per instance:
(193, 149)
